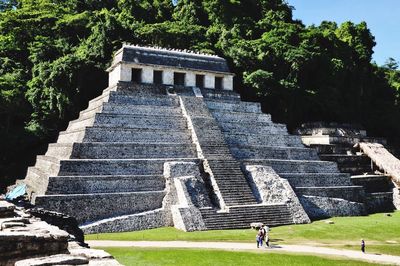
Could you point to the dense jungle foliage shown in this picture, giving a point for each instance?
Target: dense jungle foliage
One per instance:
(53, 56)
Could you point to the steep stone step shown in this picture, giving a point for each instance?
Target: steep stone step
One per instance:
(104, 184)
(141, 109)
(245, 107)
(71, 136)
(261, 139)
(373, 183)
(87, 113)
(353, 164)
(47, 164)
(241, 217)
(131, 150)
(60, 150)
(346, 159)
(355, 170)
(98, 134)
(227, 116)
(92, 207)
(220, 95)
(332, 131)
(143, 100)
(231, 182)
(325, 139)
(271, 152)
(350, 193)
(380, 202)
(80, 123)
(99, 100)
(131, 121)
(213, 152)
(318, 207)
(295, 166)
(36, 180)
(317, 180)
(77, 167)
(254, 128)
(206, 123)
(331, 148)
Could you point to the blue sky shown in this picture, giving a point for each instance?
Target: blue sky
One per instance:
(382, 17)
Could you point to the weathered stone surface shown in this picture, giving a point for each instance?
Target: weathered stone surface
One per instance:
(187, 193)
(324, 207)
(61, 259)
(77, 250)
(270, 188)
(100, 206)
(27, 240)
(383, 159)
(379, 202)
(141, 221)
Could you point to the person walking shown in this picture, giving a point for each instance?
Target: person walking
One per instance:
(362, 245)
(260, 237)
(266, 235)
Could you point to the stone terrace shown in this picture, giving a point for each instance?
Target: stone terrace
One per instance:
(255, 140)
(110, 161)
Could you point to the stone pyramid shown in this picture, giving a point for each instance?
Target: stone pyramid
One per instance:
(150, 155)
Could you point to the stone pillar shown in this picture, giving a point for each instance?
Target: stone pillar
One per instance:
(126, 73)
(114, 76)
(168, 77)
(227, 83)
(190, 79)
(147, 75)
(209, 81)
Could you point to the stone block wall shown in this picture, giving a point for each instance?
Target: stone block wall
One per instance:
(269, 188)
(324, 207)
(27, 240)
(93, 207)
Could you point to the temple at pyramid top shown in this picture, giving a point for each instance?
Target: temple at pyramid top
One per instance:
(153, 65)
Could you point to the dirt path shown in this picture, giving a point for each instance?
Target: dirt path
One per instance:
(357, 255)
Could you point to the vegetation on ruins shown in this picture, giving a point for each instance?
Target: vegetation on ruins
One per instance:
(53, 55)
(381, 233)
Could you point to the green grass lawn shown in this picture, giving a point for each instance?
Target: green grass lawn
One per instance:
(154, 257)
(381, 233)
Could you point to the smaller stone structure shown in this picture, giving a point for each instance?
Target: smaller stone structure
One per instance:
(150, 65)
(27, 240)
(365, 158)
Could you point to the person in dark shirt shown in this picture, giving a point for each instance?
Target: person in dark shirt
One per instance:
(362, 245)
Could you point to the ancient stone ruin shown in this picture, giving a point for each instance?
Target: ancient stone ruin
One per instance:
(26, 240)
(169, 143)
(365, 158)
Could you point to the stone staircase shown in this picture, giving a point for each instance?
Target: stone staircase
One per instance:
(110, 160)
(336, 142)
(237, 204)
(242, 216)
(254, 139)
